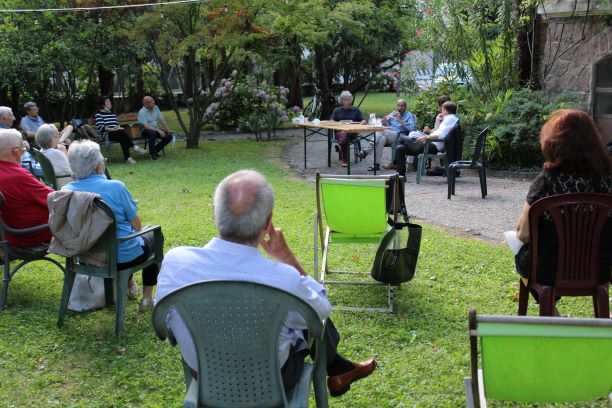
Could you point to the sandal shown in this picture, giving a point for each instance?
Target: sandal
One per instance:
(375, 167)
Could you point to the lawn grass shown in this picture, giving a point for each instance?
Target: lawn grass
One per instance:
(422, 350)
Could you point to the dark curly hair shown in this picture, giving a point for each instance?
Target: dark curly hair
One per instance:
(571, 143)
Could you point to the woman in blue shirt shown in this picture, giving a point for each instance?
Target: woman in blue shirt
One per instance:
(87, 166)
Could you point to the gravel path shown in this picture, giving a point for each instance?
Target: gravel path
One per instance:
(466, 212)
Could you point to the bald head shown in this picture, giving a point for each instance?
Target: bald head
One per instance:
(243, 203)
(10, 141)
(148, 102)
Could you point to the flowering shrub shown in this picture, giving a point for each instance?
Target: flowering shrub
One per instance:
(384, 81)
(246, 105)
(411, 66)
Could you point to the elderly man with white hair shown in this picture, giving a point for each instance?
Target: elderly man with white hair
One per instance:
(87, 164)
(6, 117)
(243, 206)
(25, 197)
(346, 111)
(32, 121)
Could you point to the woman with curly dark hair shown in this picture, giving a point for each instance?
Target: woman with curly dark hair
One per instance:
(576, 161)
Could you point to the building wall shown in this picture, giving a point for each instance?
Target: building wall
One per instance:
(573, 70)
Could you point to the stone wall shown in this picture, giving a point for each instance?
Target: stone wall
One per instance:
(572, 71)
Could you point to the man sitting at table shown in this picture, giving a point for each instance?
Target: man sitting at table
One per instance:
(399, 120)
(414, 147)
(346, 111)
(32, 121)
(25, 197)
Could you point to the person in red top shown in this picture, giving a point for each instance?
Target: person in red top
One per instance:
(25, 197)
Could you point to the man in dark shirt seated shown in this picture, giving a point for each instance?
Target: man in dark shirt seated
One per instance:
(25, 197)
(346, 111)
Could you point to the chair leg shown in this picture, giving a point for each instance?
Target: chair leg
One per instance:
(450, 180)
(523, 298)
(121, 284)
(420, 167)
(547, 301)
(603, 302)
(68, 284)
(5, 281)
(483, 181)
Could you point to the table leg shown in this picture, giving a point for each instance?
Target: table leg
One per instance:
(374, 160)
(304, 148)
(330, 135)
(347, 154)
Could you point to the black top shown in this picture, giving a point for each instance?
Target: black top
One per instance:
(554, 182)
(352, 113)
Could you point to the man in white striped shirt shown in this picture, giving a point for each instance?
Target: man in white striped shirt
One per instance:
(243, 215)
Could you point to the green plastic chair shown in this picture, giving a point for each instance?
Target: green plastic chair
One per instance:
(235, 326)
(539, 359)
(12, 253)
(355, 211)
(456, 134)
(108, 245)
(49, 177)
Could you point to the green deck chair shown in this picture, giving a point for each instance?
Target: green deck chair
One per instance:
(235, 326)
(355, 212)
(539, 359)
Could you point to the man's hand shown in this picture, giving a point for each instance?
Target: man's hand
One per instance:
(422, 139)
(426, 129)
(62, 148)
(276, 246)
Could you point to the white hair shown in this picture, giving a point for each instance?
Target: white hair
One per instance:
(9, 140)
(346, 95)
(5, 112)
(84, 157)
(45, 134)
(243, 221)
(28, 105)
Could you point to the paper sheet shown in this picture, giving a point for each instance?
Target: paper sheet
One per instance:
(514, 243)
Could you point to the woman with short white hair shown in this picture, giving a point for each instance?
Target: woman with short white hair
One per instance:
(346, 111)
(87, 165)
(47, 138)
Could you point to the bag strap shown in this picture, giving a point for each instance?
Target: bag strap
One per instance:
(398, 225)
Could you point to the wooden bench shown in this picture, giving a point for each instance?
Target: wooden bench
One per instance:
(129, 121)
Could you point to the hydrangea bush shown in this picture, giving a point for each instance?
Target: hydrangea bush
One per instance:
(246, 105)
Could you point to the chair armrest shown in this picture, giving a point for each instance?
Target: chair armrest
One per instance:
(139, 233)
(29, 230)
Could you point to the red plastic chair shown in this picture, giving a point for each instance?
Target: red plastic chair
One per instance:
(579, 220)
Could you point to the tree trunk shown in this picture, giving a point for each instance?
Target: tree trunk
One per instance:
(321, 70)
(295, 96)
(106, 80)
(15, 95)
(522, 48)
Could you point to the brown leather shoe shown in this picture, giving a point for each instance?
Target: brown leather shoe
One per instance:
(339, 384)
(390, 166)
